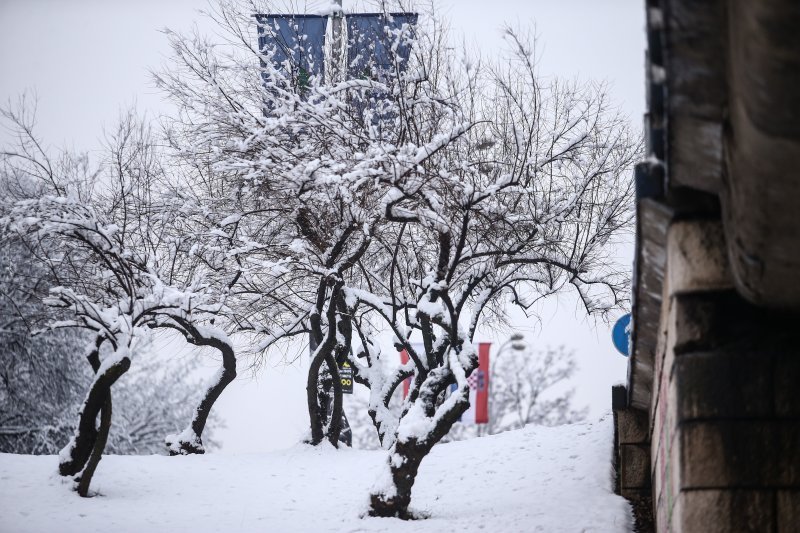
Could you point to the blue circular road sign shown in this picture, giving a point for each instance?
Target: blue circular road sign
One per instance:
(621, 334)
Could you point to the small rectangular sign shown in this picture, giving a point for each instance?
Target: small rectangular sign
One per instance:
(346, 378)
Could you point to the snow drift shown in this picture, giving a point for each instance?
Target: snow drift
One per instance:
(534, 479)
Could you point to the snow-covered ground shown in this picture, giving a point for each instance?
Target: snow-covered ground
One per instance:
(535, 479)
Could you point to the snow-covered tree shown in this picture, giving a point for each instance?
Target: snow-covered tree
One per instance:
(39, 375)
(119, 253)
(516, 203)
(307, 164)
(522, 389)
(526, 386)
(416, 200)
(43, 380)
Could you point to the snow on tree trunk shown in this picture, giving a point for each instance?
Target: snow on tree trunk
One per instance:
(426, 421)
(316, 395)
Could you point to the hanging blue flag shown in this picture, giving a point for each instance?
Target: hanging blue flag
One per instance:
(377, 40)
(297, 44)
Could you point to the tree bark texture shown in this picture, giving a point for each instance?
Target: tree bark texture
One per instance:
(228, 373)
(406, 455)
(97, 449)
(86, 433)
(315, 390)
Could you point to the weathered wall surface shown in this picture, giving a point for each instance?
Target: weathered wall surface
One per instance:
(715, 367)
(720, 445)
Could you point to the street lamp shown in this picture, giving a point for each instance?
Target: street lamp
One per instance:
(515, 342)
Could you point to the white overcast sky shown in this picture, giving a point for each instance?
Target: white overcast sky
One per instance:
(86, 59)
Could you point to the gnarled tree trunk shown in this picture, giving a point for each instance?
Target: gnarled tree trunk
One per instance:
(393, 501)
(190, 441)
(97, 450)
(407, 452)
(322, 381)
(83, 446)
(74, 456)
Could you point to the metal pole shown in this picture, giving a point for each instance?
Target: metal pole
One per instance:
(336, 47)
(336, 61)
(346, 433)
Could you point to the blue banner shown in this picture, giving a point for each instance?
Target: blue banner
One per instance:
(376, 40)
(296, 42)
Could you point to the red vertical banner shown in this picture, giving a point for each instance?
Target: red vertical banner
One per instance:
(482, 390)
(407, 381)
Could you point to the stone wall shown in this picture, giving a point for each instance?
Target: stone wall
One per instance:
(722, 436)
(632, 458)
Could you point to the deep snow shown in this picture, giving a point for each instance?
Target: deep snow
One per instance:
(534, 479)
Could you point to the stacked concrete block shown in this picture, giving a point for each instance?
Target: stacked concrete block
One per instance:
(632, 459)
(725, 444)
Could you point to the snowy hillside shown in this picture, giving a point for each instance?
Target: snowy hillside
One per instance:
(536, 479)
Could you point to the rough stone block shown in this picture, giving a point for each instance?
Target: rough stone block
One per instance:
(664, 420)
(619, 397)
(723, 384)
(740, 453)
(633, 426)
(658, 468)
(709, 320)
(666, 469)
(663, 370)
(662, 511)
(663, 488)
(697, 258)
(788, 511)
(787, 382)
(634, 466)
(695, 321)
(724, 511)
(636, 494)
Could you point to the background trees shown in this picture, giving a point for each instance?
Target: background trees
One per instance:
(526, 386)
(115, 266)
(44, 376)
(41, 381)
(525, 391)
